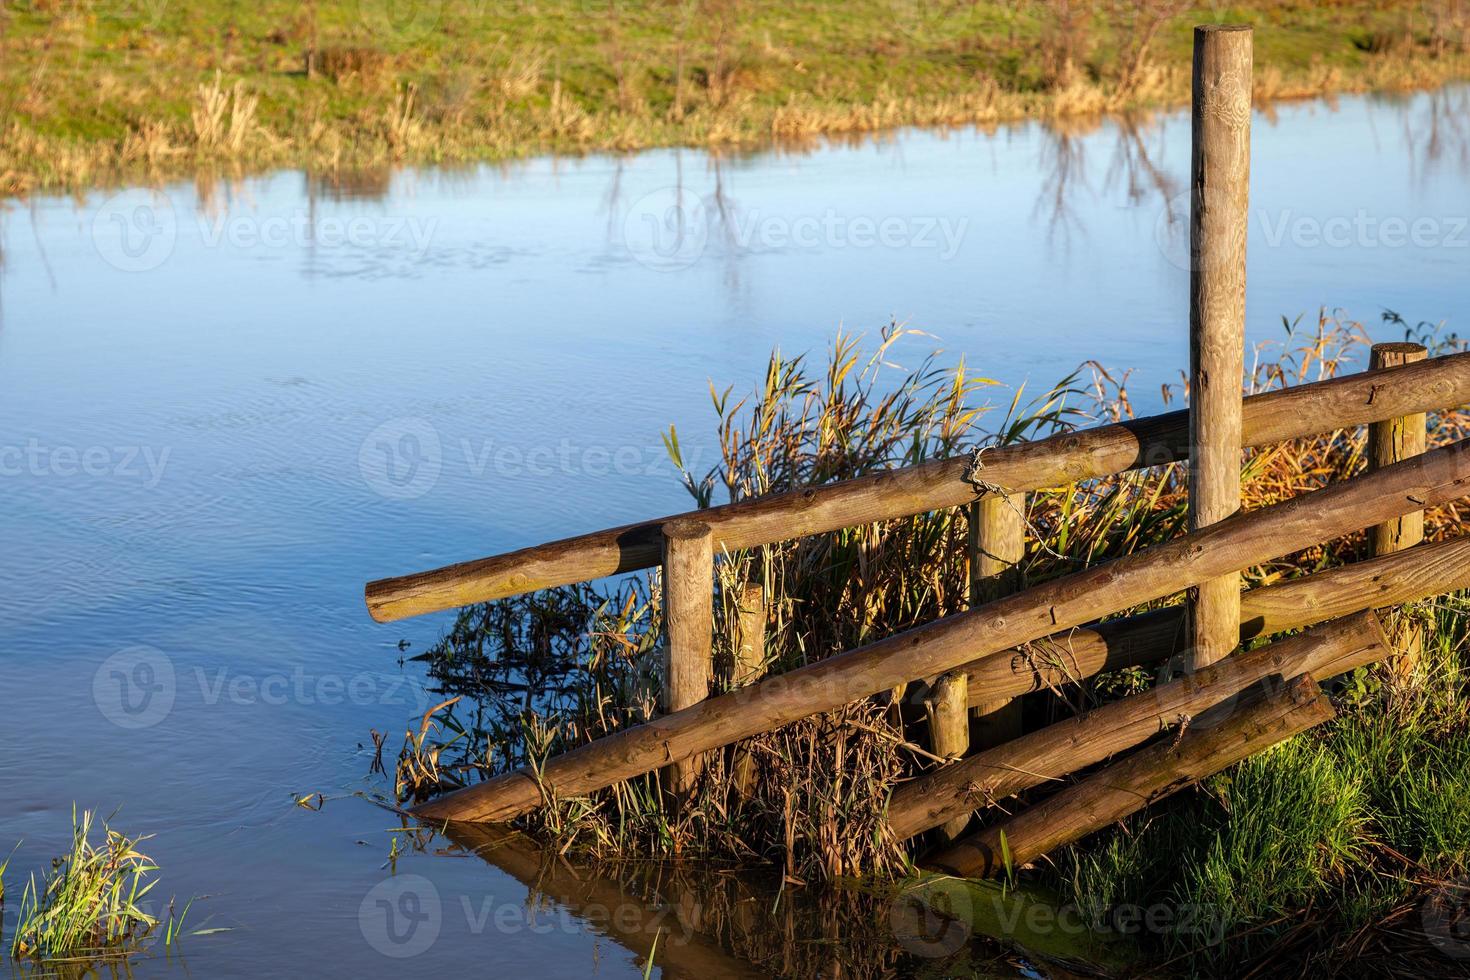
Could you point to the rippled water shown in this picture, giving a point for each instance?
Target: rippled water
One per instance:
(226, 405)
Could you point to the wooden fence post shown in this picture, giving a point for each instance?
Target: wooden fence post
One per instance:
(997, 544)
(750, 652)
(949, 732)
(750, 664)
(1389, 442)
(996, 541)
(689, 568)
(1219, 220)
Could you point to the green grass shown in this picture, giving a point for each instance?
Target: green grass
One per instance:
(96, 90)
(90, 907)
(1330, 837)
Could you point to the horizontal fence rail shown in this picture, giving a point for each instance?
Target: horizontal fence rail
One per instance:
(957, 789)
(1304, 410)
(1152, 637)
(1267, 714)
(1429, 480)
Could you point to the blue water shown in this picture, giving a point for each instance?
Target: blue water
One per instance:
(228, 405)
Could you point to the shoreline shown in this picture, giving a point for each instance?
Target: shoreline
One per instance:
(104, 166)
(171, 103)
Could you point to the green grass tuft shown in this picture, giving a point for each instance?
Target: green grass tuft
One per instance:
(90, 907)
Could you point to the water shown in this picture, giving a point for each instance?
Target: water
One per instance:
(228, 405)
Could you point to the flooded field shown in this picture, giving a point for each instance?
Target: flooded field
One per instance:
(230, 403)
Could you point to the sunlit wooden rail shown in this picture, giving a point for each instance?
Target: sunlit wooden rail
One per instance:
(1151, 638)
(1107, 450)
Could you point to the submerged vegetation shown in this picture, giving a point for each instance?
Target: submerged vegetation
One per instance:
(91, 906)
(1327, 847)
(98, 90)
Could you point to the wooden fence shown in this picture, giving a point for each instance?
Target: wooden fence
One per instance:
(1014, 640)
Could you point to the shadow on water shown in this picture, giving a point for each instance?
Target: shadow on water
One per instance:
(707, 924)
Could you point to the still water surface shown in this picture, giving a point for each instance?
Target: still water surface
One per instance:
(227, 405)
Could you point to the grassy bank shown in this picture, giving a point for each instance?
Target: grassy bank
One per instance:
(93, 91)
(1330, 847)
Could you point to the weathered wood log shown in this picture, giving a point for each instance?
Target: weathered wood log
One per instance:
(1388, 442)
(955, 791)
(1219, 219)
(1272, 417)
(750, 663)
(750, 653)
(688, 583)
(997, 543)
(930, 650)
(1272, 712)
(1393, 440)
(949, 735)
(1155, 636)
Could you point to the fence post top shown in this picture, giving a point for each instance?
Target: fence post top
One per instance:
(686, 529)
(1399, 347)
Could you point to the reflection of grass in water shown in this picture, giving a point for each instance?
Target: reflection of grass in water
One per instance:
(1349, 823)
(718, 921)
(92, 92)
(90, 906)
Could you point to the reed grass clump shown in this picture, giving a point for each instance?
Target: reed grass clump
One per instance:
(91, 905)
(1311, 821)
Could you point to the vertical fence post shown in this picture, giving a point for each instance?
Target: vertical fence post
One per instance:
(750, 664)
(688, 573)
(997, 544)
(750, 654)
(949, 731)
(1389, 442)
(996, 541)
(1219, 219)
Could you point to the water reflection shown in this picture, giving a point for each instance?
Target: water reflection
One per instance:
(701, 924)
(1436, 130)
(371, 184)
(675, 210)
